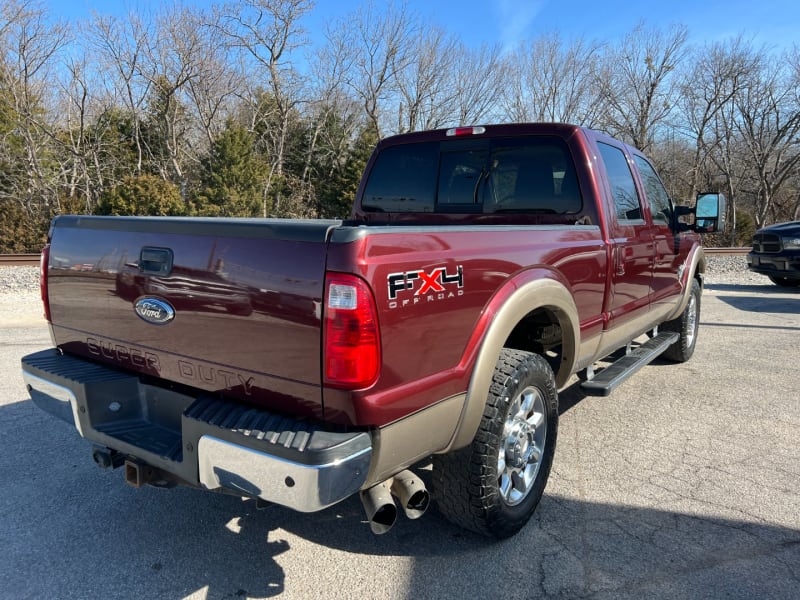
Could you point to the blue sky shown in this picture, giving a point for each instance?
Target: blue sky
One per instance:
(775, 23)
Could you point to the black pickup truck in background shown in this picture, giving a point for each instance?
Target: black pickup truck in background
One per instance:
(776, 253)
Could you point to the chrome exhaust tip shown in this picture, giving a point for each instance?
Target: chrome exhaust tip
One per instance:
(412, 494)
(380, 508)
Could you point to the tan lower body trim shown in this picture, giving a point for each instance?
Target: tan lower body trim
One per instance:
(401, 444)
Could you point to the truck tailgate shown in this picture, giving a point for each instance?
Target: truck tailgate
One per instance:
(223, 305)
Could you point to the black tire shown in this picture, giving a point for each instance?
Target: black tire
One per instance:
(686, 326)
(784, 281)
(480, 487)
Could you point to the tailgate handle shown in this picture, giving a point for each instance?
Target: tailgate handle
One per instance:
(155, 260)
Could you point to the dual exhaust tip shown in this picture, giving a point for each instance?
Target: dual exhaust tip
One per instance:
(379, 501)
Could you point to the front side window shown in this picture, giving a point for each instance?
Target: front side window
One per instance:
(623, 187)
(657, 197)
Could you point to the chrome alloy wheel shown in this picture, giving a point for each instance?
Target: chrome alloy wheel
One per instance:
(521, 446)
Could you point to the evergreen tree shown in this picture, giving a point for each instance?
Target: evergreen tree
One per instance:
(12, 148)
(143, 195)
(111, 141)
(230, 176)
(337, 193)
(28, 171)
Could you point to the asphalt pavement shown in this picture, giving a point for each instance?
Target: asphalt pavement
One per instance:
(684, 483)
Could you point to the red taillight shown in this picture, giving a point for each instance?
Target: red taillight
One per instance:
(45, 258)
(352, 343)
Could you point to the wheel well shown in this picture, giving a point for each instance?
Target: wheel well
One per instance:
(540, 332)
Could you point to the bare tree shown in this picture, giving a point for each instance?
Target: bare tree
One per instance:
(334, 115)
(717, 75)
(217, 82)
(75, 138)
(728, 162)
(794, 62)
(28, 46)
(768, 123)
(550, 80)
(637, 83)
(477, 80)
(266, 32)
(96, 134)
(379, 48)
(172, 61)
(425, 85)
(161, 68)
(121, 44)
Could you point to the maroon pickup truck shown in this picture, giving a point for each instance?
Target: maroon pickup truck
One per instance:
(301, 362)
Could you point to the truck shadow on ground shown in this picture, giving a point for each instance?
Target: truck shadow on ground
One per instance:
(570, 397)
(73, 527)
(758, 298)
(767, 288)
(786, 306)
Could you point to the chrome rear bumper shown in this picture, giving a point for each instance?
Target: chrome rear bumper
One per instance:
(202, 441)
(303, 487)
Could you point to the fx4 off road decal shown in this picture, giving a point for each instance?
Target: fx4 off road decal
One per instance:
(413, 287)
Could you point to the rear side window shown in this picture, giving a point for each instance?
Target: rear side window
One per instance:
(533, 175)
(623, 188)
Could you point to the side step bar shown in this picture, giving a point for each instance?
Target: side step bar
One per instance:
(610, 377)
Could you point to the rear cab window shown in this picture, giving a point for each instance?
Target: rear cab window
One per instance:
(400, 180)
(531, 175)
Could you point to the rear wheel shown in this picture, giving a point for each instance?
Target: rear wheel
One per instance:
(686, 326)
(784, 281)
(494, 485)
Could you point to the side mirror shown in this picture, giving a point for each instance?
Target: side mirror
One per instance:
(709, 213)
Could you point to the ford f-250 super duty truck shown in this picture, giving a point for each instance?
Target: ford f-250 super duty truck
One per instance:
(302, 362)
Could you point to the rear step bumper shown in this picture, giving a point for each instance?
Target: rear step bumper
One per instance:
(202, 441)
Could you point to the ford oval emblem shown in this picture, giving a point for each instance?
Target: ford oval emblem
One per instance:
(153, 310)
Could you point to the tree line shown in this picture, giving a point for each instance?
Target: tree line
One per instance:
(231, 110)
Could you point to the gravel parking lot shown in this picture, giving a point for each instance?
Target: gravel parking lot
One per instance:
(684, 483)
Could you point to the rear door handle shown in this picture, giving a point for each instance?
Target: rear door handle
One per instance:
(619, 261)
